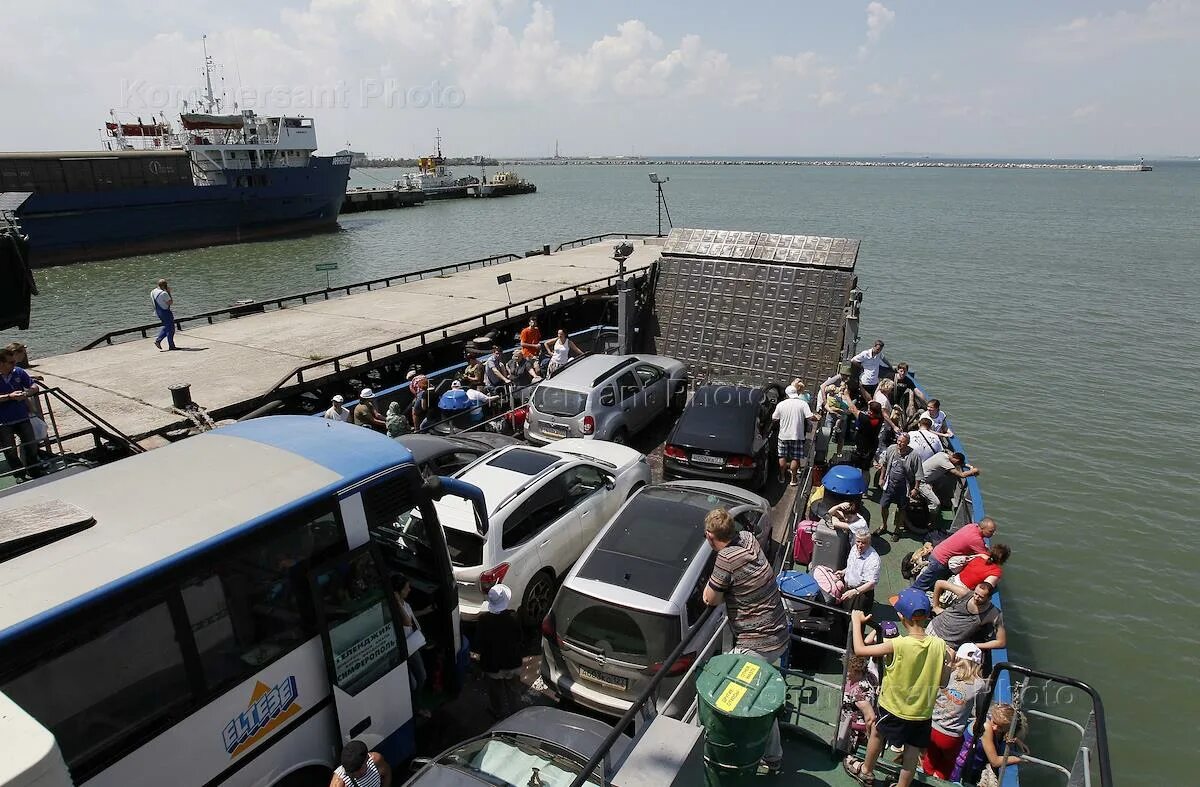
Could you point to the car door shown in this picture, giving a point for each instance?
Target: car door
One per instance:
(630, 402)
(539, 533)
(654, 389)
(588, 495)
(365, 651)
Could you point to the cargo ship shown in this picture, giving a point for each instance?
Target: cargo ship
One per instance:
(216, 178)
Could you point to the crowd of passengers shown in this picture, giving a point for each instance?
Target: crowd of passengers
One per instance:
(929, 692)
(485, 382)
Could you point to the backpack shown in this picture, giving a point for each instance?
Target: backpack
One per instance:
(830, 583)
(915, 562)
(802, 544)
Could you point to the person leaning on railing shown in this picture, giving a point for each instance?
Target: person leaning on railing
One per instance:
(16, 388)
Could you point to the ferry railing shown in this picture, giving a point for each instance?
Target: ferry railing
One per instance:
(282, 302)
(512, 394)
(440, 332)
(1093, 736)
(578, 242)
(52, 453)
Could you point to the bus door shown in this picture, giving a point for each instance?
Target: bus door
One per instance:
(364, 646)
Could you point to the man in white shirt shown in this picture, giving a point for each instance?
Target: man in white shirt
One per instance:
(861, 574)
(163, 302)
(337, 412)
(925, 441)
(937, 417)
(870, 360)
(478, 399)
(793, 415)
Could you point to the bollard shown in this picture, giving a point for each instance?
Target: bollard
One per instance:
(181, 396)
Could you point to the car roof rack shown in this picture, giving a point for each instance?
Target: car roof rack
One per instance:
(619, 366)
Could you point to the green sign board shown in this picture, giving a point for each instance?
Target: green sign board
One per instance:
(325, 266)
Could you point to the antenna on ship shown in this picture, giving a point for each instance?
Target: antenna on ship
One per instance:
(438, 136)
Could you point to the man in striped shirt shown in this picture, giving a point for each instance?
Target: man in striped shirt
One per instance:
(742, 579)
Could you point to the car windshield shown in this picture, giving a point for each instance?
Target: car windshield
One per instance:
(507, 760)
(626, 634)
(556, 401)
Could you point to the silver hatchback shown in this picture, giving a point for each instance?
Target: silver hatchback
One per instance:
(637, 592)
(606, 397)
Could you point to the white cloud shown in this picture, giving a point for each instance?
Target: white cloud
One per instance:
(1084, 112)
(879, 19)
(1106, 33)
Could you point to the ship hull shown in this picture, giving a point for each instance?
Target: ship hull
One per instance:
(67, 228)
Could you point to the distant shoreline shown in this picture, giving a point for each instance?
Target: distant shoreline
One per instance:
(906, 163)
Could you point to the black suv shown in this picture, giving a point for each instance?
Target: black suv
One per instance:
(723, 435)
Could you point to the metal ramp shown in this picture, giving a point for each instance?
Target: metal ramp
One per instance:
(754, 306)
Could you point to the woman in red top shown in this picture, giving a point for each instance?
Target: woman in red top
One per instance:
(981, 567)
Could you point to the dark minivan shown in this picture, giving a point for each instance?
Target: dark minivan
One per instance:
(723, 435)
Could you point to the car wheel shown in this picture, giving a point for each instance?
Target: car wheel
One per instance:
(634, 491)
(539, 595)
(620, 437)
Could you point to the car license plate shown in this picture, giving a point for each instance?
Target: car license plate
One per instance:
(708, 460)
(604, 679)
(554, 431)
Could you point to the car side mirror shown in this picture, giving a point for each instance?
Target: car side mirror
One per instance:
(610, 483)
(417, 764)
(607, 399)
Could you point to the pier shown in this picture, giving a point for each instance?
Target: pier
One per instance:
(235, 361)
(363, 198)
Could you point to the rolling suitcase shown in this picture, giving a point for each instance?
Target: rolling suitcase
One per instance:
(831, 547)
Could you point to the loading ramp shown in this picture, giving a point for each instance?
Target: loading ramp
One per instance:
(755, 306)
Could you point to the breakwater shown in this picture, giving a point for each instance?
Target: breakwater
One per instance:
(885, 163)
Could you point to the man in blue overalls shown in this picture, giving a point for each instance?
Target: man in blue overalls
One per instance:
(161, 295)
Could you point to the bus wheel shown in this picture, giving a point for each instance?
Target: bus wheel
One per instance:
(309, 776)
(539, 595)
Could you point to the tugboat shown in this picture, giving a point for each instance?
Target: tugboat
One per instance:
(220, 178)
(434, 179)
(502, 184)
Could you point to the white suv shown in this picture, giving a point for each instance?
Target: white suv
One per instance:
(544, 507)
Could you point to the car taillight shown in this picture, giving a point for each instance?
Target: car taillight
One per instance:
(740, 461)
(549, 629)
(681, 665)
(674, 452)
(589, 424)
(492, 577)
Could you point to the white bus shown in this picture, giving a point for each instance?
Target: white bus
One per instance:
(219, 611)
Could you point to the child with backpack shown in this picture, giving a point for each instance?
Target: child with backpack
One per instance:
(913, 672)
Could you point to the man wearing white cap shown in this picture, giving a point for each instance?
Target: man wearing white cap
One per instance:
(365, 413)
(337, 412)
(498, 643)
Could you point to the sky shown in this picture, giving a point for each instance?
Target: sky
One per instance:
(1022, 78)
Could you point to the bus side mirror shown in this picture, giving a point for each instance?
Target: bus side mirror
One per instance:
(438, 487)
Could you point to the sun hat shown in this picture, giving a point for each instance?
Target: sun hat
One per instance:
(339, 398)
(791, 392)
(970, 651)
(456, 384)
(912, 602)
(498, 598)
(366, 393)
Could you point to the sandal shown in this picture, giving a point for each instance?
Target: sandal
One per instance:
(855, 769)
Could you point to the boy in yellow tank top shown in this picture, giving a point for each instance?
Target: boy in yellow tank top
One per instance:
(914, 670)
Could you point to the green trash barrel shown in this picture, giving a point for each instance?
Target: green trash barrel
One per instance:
(739, 698)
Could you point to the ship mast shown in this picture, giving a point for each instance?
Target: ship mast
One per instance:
(212, 105)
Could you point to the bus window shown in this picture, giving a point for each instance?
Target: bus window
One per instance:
(362, 642)
(129, 678)
(248, 610)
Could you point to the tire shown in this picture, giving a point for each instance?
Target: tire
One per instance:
(620, 437)
(539, 595)
(634, 491)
